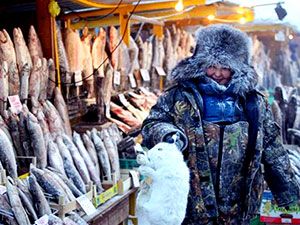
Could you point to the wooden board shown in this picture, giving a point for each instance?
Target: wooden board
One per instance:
(114, 211)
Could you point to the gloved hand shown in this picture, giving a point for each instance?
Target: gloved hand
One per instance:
(175, 138)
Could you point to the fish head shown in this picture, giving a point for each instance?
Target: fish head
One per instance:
(2, 37)
(18, 36)
(32, 34)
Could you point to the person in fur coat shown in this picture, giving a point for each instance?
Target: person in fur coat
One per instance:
(227, 133)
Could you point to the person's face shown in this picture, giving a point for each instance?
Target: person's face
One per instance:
(219, 74)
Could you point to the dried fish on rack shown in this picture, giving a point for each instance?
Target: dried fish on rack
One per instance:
(69, 165)
(3, 86)
(35, 80)
(112, 153)
(63, 60)
(102, 154)
(123, 127)
(37, 140)
(62, 184)
(75, 191)
(124, 115)
(54, 158)
(78, 160)
(52, 79)
(157, 61)
(48, 183)
(90, 147)
(24, 82)
(114, 50)
(24, 133)
(22, 52)
(28, 205)
(61, 107)
(88, 162)
(169, 60)
(34, 45)
(44, 77)
(16, 204)
(133, 52)
(41, 205)
(8, 55)
(98, 52)
(13, 124)
(45, 128)
(6, 211)
(53, 119)
(149, 51)
(88, 64)
(124, 65)
(74, 52)
(107, 88)
(7, 155)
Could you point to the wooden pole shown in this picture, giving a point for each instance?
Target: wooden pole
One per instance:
(123, 21)
(45, 27)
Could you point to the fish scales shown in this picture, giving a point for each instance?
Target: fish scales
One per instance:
(37, 140)
(69, 166)
(54, 158)
(41, 204)
(16, 204)
(112, 153)
(102, 154)
(7, 155)
(87, 159)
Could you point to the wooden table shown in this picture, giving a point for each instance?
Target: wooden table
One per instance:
(116, 210)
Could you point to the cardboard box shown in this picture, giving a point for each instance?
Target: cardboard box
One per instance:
(271, 213)
(111, 190)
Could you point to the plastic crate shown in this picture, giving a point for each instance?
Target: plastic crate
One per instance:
(256, 221)
(128, 164)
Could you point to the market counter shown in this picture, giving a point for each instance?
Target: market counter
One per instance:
(116, 210)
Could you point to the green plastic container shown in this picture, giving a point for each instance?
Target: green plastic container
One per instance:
(255, 221)
(128, 164)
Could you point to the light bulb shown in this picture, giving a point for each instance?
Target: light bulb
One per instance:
(179, 6)
(211, 17)
(240, 10)
(291, 36)
(242, 20)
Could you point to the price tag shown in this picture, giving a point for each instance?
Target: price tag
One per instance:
(86, 205)
(42, 221)
(15, 104)
(78, 78)
(132, 80)
(160, 71)
(117, 78)
(145, 74)
(107, 111)
(135, 178)
(279, 36)
(2, 189)
(286, 220)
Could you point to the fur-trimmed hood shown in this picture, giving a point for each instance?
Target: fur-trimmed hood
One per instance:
(220, 45)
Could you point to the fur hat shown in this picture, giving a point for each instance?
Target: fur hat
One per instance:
(219, 45)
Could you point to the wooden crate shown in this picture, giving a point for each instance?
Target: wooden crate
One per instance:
(111, 190)
(64, 208)
(125, 183)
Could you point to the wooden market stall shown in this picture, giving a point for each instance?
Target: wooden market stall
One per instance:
(69, 108)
